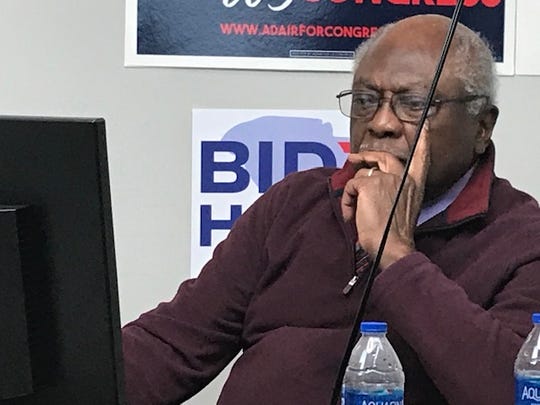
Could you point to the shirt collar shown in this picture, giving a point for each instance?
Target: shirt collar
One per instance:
(439, 204)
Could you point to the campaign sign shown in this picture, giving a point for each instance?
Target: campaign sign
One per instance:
(288, 34)
(239, 154)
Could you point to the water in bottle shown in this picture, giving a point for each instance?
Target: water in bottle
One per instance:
(527, 367)
(374, 375)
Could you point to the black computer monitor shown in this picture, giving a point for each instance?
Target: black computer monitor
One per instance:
(59, 315)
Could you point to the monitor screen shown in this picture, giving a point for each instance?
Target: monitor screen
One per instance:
(60, 339)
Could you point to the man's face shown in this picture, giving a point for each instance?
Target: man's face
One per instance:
(396, 65)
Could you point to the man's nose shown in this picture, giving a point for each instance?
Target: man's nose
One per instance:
(385, 123)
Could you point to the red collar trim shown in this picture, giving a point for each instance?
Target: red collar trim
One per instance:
(472, 201)
(340, 177)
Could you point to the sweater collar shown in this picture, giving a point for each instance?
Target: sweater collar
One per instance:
(473, 201)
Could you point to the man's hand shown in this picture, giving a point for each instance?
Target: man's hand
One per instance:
(369, 195)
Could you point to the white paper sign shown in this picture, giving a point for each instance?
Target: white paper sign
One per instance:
(238, 154)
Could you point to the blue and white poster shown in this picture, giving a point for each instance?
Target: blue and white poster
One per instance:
(289, 34)
(239, 154)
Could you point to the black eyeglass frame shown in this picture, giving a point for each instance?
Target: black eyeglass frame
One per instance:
(437, 103)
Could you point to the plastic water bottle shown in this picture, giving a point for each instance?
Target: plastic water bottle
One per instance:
(527, 367)
(374, 375)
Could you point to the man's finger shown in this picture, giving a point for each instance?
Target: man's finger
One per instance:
(384, 161)
(421, 159)
(348, 200)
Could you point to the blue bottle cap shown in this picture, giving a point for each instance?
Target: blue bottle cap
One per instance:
(536, 317)
(374, 327)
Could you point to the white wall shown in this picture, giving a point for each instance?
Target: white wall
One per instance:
(65, 58)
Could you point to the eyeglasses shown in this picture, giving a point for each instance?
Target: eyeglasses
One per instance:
(407, 106)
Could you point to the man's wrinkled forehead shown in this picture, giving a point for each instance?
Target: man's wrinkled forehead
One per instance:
(408, 53)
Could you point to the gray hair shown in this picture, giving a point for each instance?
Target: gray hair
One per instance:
(474, 64)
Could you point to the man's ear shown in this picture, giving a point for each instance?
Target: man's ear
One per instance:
(486, 123)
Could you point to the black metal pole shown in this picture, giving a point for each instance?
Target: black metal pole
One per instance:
(371, 275)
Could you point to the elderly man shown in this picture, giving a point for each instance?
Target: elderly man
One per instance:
(458, 279)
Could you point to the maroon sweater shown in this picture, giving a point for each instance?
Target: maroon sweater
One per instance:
(458, 308)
